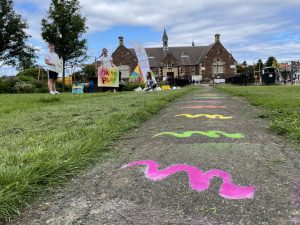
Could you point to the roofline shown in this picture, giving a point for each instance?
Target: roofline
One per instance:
(204, 46)
(199, 60)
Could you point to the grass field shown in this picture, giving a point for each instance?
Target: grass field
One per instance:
(46, 139)
(281, 105)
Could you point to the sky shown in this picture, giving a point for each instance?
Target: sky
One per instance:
(249, 29)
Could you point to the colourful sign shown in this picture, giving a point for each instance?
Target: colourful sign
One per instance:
(108, 77)
(58, 65)
(214, 116)
(136, 76)
(198, 180)
(212, 134)
(205, 107)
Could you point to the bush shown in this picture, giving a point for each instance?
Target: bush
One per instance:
(26, 78)
(23, 84)
(41, 86)
(33, 72)
(132, 86)
(7, 84)
(59, 87)
(24, 87)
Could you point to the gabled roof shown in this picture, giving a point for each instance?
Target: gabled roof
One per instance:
(190, 55)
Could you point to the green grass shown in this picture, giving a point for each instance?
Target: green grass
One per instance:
(281, 105)
(46, 140)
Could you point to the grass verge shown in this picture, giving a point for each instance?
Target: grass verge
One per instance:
(281, 105)
(46, 140)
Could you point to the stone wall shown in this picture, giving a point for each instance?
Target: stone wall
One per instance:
(218, 52)
(122, 56)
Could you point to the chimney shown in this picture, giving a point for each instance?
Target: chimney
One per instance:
(217, 38)
(121, 41)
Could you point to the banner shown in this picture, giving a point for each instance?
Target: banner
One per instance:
(108, 77)
(142, 59)
(58, 65)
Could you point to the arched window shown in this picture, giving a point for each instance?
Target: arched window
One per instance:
(218, 66)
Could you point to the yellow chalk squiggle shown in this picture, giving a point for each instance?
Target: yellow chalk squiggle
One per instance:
(215, 116)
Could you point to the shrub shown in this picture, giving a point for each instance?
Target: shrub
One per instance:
(7, 84)
(24, 87)
(26, 78)
(132, 86)
(59, 87)
(33, 72)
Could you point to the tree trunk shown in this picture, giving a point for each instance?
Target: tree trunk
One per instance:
(63, 78)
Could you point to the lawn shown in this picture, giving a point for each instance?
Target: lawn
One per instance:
(281, 105)
(46, 140)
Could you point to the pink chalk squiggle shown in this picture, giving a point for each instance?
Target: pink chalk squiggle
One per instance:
(198, 179)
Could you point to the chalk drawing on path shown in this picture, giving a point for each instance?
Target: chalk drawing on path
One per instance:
(212, 134)
(204, 107)
(212, 97)
(198, 180)
(213, 116)
(208, 95)
(205, 101)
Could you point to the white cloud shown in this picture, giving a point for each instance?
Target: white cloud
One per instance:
(242, 24)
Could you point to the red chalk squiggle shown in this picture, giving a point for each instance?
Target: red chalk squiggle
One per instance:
(198, 179)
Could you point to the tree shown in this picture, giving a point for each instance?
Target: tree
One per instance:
(259, 65)
(12, 34)
(89, 70)
(27, 59)
(242, 68)
(64, 27)
(272, 62)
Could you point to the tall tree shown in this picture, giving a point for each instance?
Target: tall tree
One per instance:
(13, 37)
(27, 59)
(272, 62)
(259, 65)
(64, 27)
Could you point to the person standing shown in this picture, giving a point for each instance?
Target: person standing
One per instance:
(106, 61)
(52, 60)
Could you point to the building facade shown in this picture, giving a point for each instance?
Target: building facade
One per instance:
(212, 61)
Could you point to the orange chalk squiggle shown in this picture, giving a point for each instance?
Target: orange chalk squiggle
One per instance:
(205, 107)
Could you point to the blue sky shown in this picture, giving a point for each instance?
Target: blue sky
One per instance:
(249, 29)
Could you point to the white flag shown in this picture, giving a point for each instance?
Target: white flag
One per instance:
(142, 59)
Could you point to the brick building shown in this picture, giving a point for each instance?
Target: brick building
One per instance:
(212, 61)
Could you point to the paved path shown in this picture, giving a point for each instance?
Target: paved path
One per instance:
(264, 171)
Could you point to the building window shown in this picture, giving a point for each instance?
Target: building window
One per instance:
(181, 70)
(193, 70)
(170, 64)
(157, 72)
(218, 67)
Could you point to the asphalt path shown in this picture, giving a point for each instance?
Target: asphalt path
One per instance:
(207, 158)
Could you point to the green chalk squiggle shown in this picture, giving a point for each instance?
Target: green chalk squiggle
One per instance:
(212, 134)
